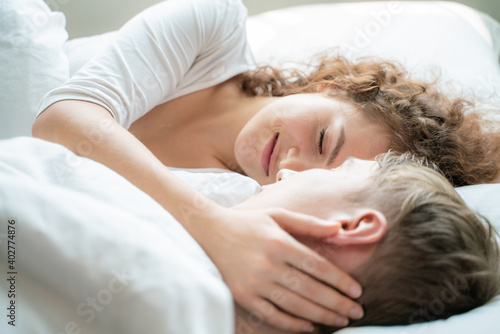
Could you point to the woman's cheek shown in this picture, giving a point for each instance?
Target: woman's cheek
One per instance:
(246, 152)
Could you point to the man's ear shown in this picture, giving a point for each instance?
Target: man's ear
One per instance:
(365, 227)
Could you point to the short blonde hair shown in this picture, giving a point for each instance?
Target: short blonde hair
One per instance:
(439, 258)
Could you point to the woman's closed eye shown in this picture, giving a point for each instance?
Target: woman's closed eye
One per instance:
(321, 139)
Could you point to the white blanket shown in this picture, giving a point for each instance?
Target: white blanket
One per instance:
(95, 253)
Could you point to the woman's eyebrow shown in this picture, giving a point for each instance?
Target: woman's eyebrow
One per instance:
(338, 146)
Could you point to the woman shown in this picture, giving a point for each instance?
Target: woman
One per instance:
(178, 87)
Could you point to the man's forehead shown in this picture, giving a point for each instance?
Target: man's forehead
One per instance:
(351, 162)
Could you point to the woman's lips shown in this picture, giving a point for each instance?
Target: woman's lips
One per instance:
(267, 153)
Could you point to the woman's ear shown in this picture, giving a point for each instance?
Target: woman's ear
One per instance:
(365, 227)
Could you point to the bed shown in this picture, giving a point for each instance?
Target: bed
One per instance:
(96, 255)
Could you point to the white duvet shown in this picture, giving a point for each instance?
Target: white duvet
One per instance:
(93, 252)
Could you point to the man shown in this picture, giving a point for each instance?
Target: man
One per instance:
(420, 253)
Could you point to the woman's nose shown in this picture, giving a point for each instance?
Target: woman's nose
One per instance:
(288, 161)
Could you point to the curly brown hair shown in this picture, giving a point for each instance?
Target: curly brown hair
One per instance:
(422, 120)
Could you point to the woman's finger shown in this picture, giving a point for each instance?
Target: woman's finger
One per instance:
(260, 311)
(302, 224)
(295, 304)
(316, 266)
(332, 303)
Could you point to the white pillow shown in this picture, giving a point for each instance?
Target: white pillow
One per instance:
(461, 43)
(482, 320)
(485, 199)
(31, 61)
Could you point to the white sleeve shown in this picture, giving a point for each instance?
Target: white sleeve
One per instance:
(170, 49)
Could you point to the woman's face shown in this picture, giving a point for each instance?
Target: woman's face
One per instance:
(305, 131)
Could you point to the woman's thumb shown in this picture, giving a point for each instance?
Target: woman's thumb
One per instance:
(302, 224)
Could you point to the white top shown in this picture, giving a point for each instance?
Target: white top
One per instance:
(171, 49)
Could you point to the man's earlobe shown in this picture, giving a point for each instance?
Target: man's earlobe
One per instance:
(365, 227)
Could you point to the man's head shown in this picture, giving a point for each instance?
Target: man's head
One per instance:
(438, 257)
(407, 237)
(325, 194)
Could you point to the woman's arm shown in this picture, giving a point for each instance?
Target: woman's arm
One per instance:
(90, 131)
(263, 266)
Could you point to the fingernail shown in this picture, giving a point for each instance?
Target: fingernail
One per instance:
(355, 291)
(308, 328)
(356, 313)
(342, 322)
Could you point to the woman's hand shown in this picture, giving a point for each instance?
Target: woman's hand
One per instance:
(273, 276)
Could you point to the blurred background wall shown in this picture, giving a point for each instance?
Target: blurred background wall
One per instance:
(90, 17)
